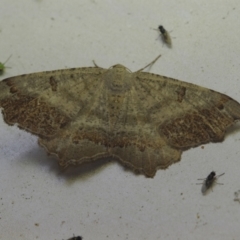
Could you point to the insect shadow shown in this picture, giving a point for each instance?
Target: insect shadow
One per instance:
(209, 182)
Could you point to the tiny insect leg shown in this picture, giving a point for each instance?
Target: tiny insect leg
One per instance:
(220, 175)
(217, 179)
(7, 59)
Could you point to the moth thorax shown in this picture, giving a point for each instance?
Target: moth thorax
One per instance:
(118, 79)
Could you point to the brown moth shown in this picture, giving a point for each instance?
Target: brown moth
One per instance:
(141, 119)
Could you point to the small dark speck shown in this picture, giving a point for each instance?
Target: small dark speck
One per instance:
(220, 107)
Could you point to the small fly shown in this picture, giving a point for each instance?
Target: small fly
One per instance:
(209, 181)
(165, 36)
(237, 199)
(76, 238)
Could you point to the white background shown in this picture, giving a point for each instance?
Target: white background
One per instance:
(105, 201)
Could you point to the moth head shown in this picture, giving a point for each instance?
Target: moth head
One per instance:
(120, 67)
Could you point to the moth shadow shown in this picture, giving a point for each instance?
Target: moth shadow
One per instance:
(84, 171)
(234, 129)
(39, 158)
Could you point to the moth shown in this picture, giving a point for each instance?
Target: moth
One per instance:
(209, 181)
(143, 120)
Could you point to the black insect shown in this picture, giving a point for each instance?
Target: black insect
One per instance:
(209, 181)
(162, 29)
(76, 238)
(165, 36)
